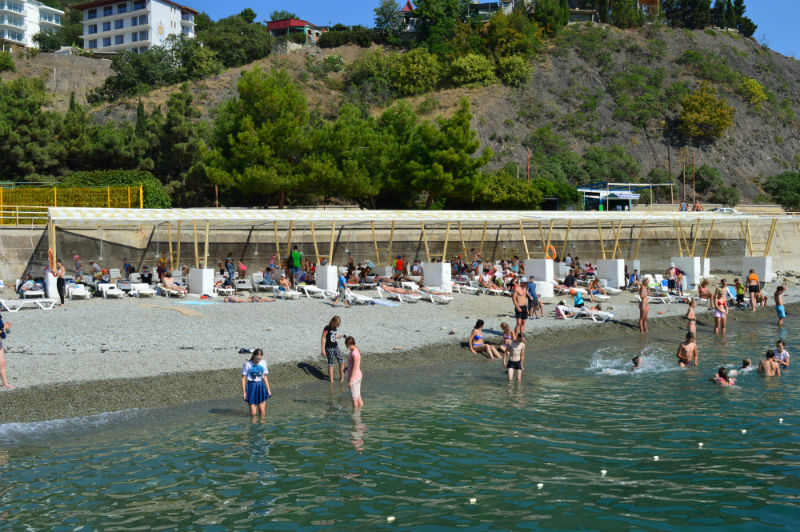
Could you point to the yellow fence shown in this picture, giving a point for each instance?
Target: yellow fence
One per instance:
(25, 206)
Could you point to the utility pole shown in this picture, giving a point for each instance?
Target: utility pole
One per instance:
(529, 165)
(694, 190)
(683, 196)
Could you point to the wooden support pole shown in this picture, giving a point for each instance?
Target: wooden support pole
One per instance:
(178, 247)
(461, 235)
(483, 235)
(683, 236)
(53, 244)
(771, 236)
(333, 240)
(391, 241)
(277, 244)
(425, 241)
(446, 238)
(541, 236)
(549, 235)
(524, 241)
(205, 250)
(694, 239)
(708, 242)
(678, 237)
(375, 243)
(748, 238)
(169, 237)
(314, 239)
(602, 244)
(566, 238)
(639, 242)
(196, 251)
(616, 239)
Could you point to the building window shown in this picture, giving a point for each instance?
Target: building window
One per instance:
(93, 43)
(134, 21)
(92, 13)
(186, 30)
(135, 36)
(44, 16)
(92, 28)
(108, 11)
(118, 24)
(138, 4)
(106, 26)
(119, 39)
(106, 42)
(142, 20)
(122, 8)
(12, 6)
(187, 16)
(143, 35)
(143, 49)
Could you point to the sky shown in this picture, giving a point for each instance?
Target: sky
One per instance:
(777, 20)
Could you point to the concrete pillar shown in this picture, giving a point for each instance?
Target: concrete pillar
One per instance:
(201, 281)
(762, 267)
(436, 273)
(613, 271)
(562, 269)
(706, 267)
(50, 286)
(327, 277)
(543, 271)
(692, 268)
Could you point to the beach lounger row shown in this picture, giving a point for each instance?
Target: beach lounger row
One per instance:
(15, 305)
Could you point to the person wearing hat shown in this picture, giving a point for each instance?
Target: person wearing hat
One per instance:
(672, 274)
(284, 285)
(519, 296)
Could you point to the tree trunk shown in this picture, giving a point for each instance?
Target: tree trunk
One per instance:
(429, 202)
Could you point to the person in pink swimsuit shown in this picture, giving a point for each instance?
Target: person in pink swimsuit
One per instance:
(354, 372)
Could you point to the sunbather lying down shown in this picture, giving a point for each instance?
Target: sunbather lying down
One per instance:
(251, 299)
(393, 289)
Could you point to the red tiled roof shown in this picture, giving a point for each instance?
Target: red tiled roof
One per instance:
(408, 8)
(287, 23)
(98, 3)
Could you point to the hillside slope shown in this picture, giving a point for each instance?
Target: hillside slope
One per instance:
(575, 89)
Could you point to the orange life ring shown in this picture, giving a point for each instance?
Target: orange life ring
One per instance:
(50, 260)
(551, 253)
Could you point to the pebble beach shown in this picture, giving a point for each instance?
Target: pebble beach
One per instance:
(97, 355)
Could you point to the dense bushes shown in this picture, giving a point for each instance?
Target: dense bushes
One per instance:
(7, 63)
(513, 71)
(472, 69)
(704, 116)
(785, 190)
(154, 196)
(237, 39)
(363, 38)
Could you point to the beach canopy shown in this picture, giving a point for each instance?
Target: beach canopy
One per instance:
(94, 218)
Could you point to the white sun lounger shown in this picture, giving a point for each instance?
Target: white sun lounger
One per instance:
(141, 290)
(352, 298)
(655, 299)
(461, 288)
(285, 294)
(313, 290)
(110, 290)
(600, 316)
(403, 298)
(169, 292)
(77, 290)
(15, 305)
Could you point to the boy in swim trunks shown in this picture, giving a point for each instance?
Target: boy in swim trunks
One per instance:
(769, 367)
(687, 352)
(779, 308)
(514, 358)
(520, 298)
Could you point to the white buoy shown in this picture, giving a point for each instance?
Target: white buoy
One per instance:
(744, 431)
(700, 445)
(539, 485)
(603, 472)
(390, 519)
(473, 500)
(780, 420)
(655, 458)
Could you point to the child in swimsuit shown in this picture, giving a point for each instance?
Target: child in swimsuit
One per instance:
(722, 378)
(691, 318)
(508, 337)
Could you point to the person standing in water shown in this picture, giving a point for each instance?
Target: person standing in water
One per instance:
(779, 308)
(769, 367)
(354, 373)
(514, 358)
(255, 384)
(781, 354)
(330, 347)
(687, 352)
(691, 318)
(720, 310)
(520, 299)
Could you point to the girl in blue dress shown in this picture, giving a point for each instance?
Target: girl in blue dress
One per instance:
(255, 384)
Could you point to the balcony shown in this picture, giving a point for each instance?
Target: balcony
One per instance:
(12, 7)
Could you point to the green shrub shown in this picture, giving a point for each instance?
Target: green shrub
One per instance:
(513, 34)
(710, 66)
(707, 178)
(728, 196)
(513, 71)
(427, 106)
(753, 92)
(154, 195)
(297, 38)
(472, 69)
(704, 116)
(415, 72)
(785, 190)
(333, 63)
(7, 63)
(363, 38)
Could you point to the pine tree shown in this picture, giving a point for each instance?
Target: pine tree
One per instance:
(602, 8)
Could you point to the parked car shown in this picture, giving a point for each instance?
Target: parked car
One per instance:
(725, 210)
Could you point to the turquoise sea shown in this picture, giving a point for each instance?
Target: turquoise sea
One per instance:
(443, 447)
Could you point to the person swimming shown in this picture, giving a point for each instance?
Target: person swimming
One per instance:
(747, 365)
(722, 378)
(637, 362)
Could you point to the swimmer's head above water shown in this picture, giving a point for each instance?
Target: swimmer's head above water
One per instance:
(746, 363)
(637, 362)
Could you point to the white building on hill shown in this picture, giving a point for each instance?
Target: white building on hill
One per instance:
(20, 20)
(134, 25)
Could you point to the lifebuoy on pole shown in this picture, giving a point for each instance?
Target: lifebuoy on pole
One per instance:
(551, 253)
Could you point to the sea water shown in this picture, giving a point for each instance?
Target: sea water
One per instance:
(445, 447)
